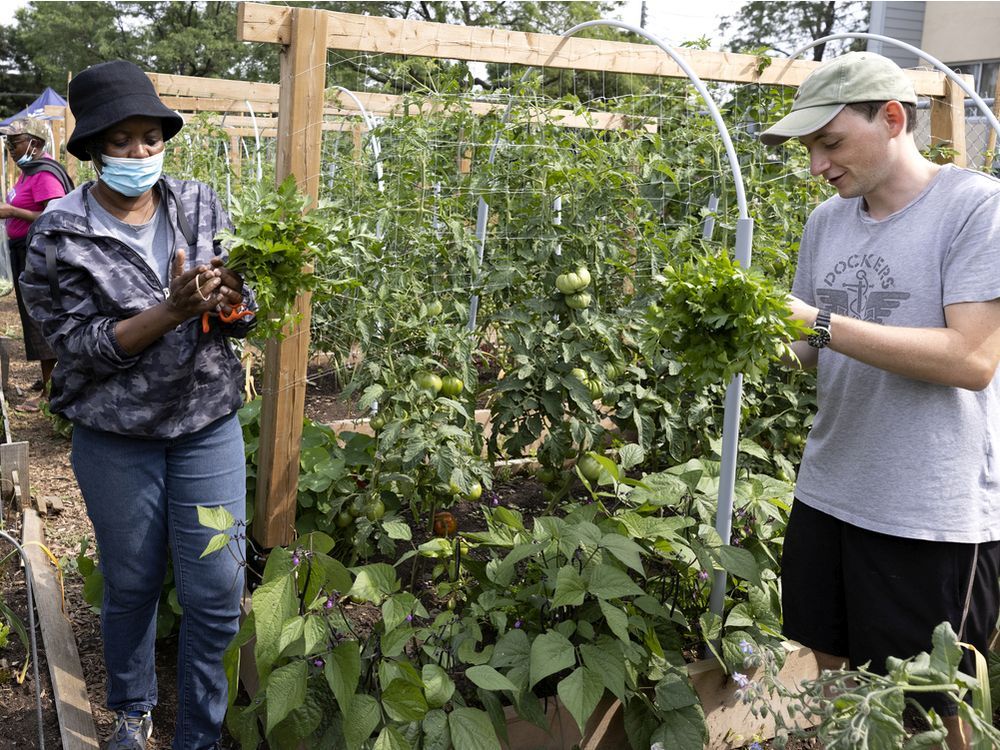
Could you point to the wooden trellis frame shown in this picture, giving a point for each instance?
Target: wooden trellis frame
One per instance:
(306, 35)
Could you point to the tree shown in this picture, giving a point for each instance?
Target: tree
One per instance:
(783, 27)
(53, 39)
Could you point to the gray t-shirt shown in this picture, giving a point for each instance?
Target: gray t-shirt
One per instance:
(888, 453)
(151, 241)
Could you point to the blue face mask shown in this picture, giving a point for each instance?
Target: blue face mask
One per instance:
(27, 156)
(131, 177)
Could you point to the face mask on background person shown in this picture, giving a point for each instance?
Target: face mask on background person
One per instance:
(131, 177)
(27, 156)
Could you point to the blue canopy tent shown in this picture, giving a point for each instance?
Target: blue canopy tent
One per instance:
(37, 107)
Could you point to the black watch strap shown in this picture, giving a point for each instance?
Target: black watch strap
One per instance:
(820, 337)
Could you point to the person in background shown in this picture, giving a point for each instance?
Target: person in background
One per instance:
(129, 284)
(896, 522)
(42, 179)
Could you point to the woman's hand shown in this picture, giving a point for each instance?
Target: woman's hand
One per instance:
(230, 290)
(197, 290)
(6, 211)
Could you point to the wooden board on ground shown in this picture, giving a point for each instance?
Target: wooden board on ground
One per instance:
(14, 471)
(69, 690)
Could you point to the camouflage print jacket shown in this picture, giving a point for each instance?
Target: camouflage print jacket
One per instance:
(179, 384)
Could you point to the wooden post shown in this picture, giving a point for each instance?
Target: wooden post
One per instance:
(948, 122)
(235, 155)
(68, 127)
(300, 120)
(991, 141)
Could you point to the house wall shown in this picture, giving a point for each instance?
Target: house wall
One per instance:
(957, 32)
(899, 20)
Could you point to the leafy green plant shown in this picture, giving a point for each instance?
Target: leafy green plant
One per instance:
(719, 319)
(857, 709)
(274, 239)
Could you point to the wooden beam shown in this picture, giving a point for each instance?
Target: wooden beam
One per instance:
(69, 689)
(14, 470)
(72, 163)
(303, 77)
(991, 141)
(215, 88)
(390, 104)
(393, 36)
(948, 123)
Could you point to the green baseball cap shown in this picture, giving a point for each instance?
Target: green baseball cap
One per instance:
(32, 126)
(853, 77)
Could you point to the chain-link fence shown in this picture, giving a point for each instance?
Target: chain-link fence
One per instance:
(980, 139)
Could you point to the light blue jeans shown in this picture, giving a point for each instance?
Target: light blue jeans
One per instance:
(143, 495)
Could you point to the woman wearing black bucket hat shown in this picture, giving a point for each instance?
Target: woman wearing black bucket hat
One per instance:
(119, 276)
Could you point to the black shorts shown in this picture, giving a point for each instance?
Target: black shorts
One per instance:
(866, 596)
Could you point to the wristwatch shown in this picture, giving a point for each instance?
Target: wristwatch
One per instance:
(820, 337)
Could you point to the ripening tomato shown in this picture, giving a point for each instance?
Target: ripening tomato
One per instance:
(445, 524)
(434, 307)
(578, 301)
(475, 491)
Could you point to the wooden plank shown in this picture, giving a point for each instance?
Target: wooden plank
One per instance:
(14, 471)
(216, 88)
(991, 141)
(41, 506)
(730, 722)
(53, 502)
(69, 689)
(72, 163)
(272, 23)
(303, 78)
(948, 123)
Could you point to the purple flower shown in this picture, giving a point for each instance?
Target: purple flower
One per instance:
(409, 618)
(740, 679)
(330, 601)
(318, 662)
(745, 647)
(702, 575)
(756, 746)
(517, 623)
(295, 560)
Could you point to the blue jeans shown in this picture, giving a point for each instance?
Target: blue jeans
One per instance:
(141, 496)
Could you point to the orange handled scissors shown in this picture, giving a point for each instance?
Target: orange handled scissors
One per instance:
(234, 314)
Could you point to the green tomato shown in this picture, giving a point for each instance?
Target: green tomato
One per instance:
(590, 467)
(343, 519)
(377, 422)
(546, 475)
(794, 438)
(564, 285)
(374, 510)
(454, 489)
(783, 476)
(596, 391)
(451, 386)
(428, 381)
(356, 508)
(475, 491)
(584, 275)
(578, 301)
(580, 374)
(434, 307)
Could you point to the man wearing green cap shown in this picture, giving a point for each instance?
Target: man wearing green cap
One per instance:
(897, 515)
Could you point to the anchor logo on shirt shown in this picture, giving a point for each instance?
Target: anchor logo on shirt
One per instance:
(858, 301)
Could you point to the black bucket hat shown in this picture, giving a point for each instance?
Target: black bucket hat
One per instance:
(110, 92)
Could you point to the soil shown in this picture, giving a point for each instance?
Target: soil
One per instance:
(51, 475)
